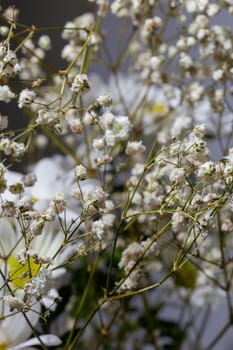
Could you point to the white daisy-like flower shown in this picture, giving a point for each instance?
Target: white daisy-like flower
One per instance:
(15, 330)
(18, 318)
(30, 264)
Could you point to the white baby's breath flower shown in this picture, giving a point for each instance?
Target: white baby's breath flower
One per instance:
(13, 148)
(185, 60)
(213, 9)
(3, 122)
(41, 141)
(98, 229)
(89, 119)
(45, 42)
(122, 127)
(18, 149)
(29, 179)
(59, 202)
(99, 144)
(195, 92)
(11, 13)
(134, 147)
(195, 5)
(178, 221)
(73, 121)
(150, 25)
(76, 126)
(80, 172)
(4, 30)
(107, 120)
(25, 204)
(177, 175)
(207, 169)
(155, 62)
(80, 84)
(104, 159)
(40, 285)
(99, 196)
(26, 98)
(110, 138)
(70, 51)
(47, 117)
(14, 303)
(181, 123)
(199, 130)
(36, 227)
(218, 74)
(104, 100)
(6, 95)
(70, 31)
(129, 255)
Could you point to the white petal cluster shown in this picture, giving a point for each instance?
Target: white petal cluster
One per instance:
(116, 128)
(80, 84)
(9, 65)
(6, 95)
(26, 98)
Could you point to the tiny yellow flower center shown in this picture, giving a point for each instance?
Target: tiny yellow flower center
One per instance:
(159, 109)
(21, 274)
(3, 346)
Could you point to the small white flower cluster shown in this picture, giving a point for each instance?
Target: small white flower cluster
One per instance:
(104, 100)
(9, 65)
(24, 255)
(80, 173)
(33, 55)
(77, 32)
(40, 285)
(47, 117)
(6, 95)
(80, 84)
(132, 262)
(133, 147)
(26, 98)
(149, 27)
(115, 128)
(14, 303)
(102, 228)
(12, 148)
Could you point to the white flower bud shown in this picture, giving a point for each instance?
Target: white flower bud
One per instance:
(80, 84)
(104, 100)
(134, 147)
(44, 42)
(6, 94)
(26, 98)
(80, 173)
(14, 303)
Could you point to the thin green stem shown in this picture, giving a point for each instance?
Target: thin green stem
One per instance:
(112, 256)
(79, 334)
(72, 63)
(81, 304)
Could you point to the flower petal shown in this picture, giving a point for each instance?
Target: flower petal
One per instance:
(46, 339)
